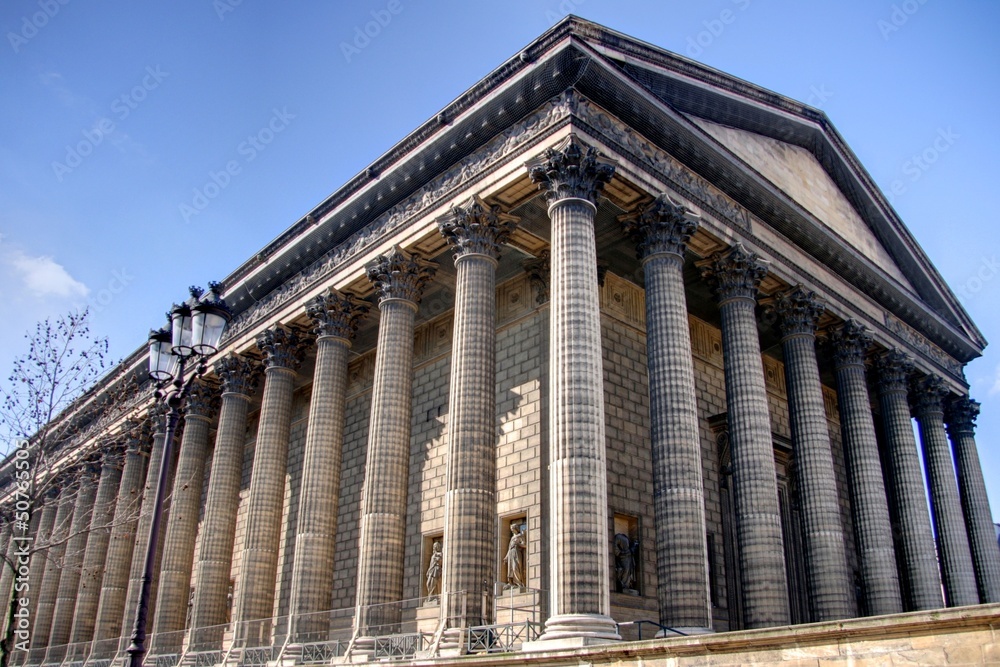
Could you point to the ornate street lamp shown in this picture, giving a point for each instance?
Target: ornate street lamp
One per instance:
(191, 336)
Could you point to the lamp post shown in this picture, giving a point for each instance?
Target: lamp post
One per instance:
(193, 335)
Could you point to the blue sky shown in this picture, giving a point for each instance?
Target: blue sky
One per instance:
(148, 146)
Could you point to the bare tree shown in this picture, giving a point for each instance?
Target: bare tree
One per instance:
(58, 408)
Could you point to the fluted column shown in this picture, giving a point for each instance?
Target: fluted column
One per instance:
(49, 588)
(399, 279)
(69, 580)
(6, 570)
(182, 528)
(239, 375)
(954, 554)
(476, 232)
(735, 274)
(39, 559)
(119, 555)
(283, 349)
(572, 177)
(157, 415)
(919, 567)
(829, 582)
(336, 317)
(869, 505)
(92, 574)
(661, 231)
(962, 413)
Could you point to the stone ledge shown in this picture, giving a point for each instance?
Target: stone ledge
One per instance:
(853, 640)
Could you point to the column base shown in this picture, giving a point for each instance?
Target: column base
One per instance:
(575, 631)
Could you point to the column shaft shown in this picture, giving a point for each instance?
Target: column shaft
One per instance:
(335, 316)
(182, 528)
(92, 574)
(975, 503)
(829, 581)
(215, 555)
(9, 563)
(399, 280)
(39, 559)
(869, 505)
(259, 565)
(76, 545)
(919, 566)
(49, 589)
(142, 529)
(957, 572)
(119, 557)
(737, 273)
(662, 231)
(476, 232)
(580, 598)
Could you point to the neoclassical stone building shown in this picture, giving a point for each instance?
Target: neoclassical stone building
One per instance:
(616, 346)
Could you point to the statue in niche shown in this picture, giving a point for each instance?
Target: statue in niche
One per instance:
(625, 555)
(515, 556)
(433, 580)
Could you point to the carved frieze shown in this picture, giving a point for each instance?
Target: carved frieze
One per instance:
(918, 342)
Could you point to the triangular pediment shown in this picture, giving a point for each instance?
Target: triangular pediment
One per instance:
(797, 172)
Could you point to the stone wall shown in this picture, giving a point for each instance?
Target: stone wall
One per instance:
(522, 369)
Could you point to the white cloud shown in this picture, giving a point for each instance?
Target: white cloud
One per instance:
(43, 276)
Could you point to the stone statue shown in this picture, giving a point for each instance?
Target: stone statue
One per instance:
(515, 556)
(625, 554)
(433, 580)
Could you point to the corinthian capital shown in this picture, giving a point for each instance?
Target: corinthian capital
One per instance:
(239, 374)
(282, 348)
(399, 275)
(477, 229)
(894, 369)
(663, 226)
(850, 341)
(798, 311)
(928, 394)
(734, 273)
(202, 401)
(336, 314)
(961, 415)
(571, 171)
